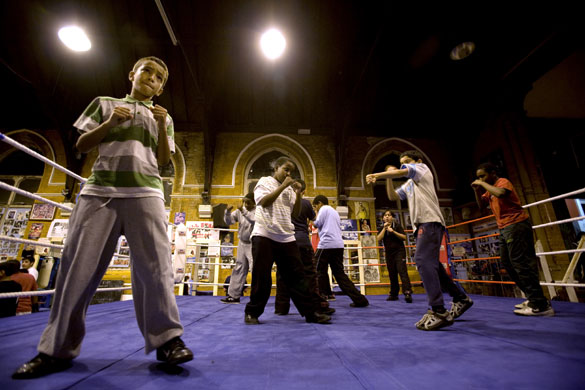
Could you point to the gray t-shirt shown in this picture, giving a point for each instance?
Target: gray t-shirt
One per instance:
(419, 190)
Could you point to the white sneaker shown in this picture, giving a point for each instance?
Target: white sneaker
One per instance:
(433, 320)
(528, 311)
(522, 305)
(460, 307)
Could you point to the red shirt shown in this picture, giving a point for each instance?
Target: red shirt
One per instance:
(507, 209)
(28, 283)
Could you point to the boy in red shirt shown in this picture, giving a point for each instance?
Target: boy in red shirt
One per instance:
(516, 240)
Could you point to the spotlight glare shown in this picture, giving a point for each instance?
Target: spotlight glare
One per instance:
(74, 38)
(272, 44)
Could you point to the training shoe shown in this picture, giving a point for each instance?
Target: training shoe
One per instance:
(522, 305)
(433, 320)
(318, 318)
(529, 311)
(280, 313)
(250, 320)
(458, 308)
(359, 304)
(174, 352)
(392, 298)
(231, 300)
(41, 365)
(408, 298)
(331, 297)
(327, 310)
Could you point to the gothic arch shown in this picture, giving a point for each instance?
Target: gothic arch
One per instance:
(387, 146)
(37, 141)
(271, 142)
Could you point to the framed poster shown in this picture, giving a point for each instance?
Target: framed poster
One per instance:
(349, 229)
(43, 212)
(58, 228)
(35, 231)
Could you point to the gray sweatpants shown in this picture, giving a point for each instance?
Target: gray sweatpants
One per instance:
(244, 262)
(95, 225)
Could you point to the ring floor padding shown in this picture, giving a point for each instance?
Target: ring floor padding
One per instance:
(376, 347)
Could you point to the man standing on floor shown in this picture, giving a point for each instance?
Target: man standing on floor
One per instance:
(244, 262)
(516, 240)
(429, 225)
(330, 251)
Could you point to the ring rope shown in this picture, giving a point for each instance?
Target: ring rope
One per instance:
(555, 198)
(8, 187)
(10, 141)
(558, 222)
(31, 242)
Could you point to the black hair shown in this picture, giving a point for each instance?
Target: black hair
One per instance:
(280, 162)
(7, 268)
(487, 167)
(413, 154)
(321, 198)
(14, 265)
(250, 196)
(303, 184)
(153, 59)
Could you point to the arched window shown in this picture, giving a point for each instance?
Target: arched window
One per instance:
(261, 167)
(22, 171)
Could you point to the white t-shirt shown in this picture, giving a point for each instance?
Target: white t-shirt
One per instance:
(274, 222)
(419, 190)
(33, 271)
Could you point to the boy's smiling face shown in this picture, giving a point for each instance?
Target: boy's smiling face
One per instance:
(147, 81)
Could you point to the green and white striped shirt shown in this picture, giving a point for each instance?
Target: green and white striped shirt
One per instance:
(126, 166)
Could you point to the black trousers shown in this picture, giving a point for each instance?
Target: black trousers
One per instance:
(519, 259)
(282, 301)
(334, 259)
(396, 263)
(265, 252)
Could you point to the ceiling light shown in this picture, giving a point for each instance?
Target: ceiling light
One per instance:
(74, 38)
(462, 50)
(272, 43)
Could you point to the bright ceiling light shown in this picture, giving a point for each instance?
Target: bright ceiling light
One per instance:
(272, 43)
(462, 50)
(74, 38)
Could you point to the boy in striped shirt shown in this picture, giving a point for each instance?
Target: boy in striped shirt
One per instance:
(124, 195)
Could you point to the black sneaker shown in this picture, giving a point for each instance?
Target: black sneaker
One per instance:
(250, 320)
(280, 312)
(174, 352)
(331, 297)
(360, 304)
(327, 310)
(41, 365)
(318, 318)
(392, 298)
(408, 298)
(231, 300)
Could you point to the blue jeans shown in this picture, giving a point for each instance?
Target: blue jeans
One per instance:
(432, 272)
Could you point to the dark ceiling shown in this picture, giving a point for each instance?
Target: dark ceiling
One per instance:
(365, 67)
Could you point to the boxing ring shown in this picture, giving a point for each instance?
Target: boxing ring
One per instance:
(376, 347)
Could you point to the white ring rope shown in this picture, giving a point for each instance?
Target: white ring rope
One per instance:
(559, 222)
(31, 152)
(561, 252)
(31, 242)
(8, 187)
(555, 198)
